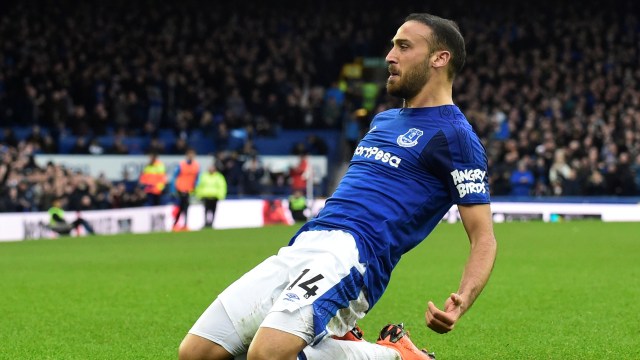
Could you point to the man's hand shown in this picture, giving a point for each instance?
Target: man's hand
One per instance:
(443, 321)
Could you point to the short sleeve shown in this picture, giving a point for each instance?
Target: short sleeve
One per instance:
(459, 160)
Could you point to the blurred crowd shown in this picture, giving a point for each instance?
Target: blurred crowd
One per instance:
(553, 91)
(25, 186)
(555, 95)
(132, 68)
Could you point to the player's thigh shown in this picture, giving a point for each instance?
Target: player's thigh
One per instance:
(234, 317)
(283, 289)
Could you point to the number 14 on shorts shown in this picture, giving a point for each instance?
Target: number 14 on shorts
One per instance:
(307, 285)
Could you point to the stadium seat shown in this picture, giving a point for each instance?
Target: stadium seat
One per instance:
(65, 143)
(284, 143)
(137, 145)
(204, 146)
(106, 141)
(22, 132)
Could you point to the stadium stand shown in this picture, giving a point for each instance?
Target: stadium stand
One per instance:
(552, 89)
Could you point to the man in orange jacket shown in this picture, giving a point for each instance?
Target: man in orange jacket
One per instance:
(185, 181)
(153, 179)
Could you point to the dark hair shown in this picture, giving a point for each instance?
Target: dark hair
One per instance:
(445, 36)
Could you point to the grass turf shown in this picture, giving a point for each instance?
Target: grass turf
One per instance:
(559, 291)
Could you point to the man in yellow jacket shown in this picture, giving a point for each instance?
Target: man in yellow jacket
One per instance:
(297, 205)
(58, 223)
(212, 186)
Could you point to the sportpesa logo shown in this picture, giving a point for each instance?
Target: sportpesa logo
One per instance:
(469, 181)
(379, 155)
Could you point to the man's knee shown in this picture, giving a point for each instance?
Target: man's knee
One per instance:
(197, 348)
(272, 344)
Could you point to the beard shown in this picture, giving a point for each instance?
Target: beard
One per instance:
(410, 82)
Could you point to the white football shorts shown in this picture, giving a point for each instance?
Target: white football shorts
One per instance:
(312, 289)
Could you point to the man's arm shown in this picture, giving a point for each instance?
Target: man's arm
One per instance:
(58, 219)
(5, 176)
(479, 227)
(172, 183)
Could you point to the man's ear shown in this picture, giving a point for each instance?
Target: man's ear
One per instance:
(440, 58)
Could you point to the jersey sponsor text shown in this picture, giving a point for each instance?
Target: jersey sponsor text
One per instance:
(379, 155)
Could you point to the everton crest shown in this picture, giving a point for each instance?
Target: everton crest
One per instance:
(410, 138)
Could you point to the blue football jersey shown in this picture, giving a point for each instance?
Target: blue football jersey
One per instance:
(405, 174)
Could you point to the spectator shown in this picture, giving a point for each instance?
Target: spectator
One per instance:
(79, 121)
(331, 113)
(9, 138)
(47, 193)
(49, 145)
(298, 149)
(232, 171)
(5, 172)
(316, 146)
(522, 180)
(118, 196)
(559, 172)
(636, 171)
(156, 146)
(86, 203)
(80, 146)
(25, 197)
(352, 133)
(500, 177)
(80, 191)
(253, 173)
(36, 138)
(95, 148)
(625, 176)
(118, 147)
(570, 184)
(180, 146)
(541, 175)
(279, 179)
(102, 201)
(12, 201)
(298, 174)
(595, 184)
(100, 120)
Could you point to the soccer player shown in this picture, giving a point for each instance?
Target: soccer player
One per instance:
(405, 174)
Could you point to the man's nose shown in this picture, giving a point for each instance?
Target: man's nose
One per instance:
(391, 57)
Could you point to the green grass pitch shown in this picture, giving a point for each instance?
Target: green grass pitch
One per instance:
(559, 291)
